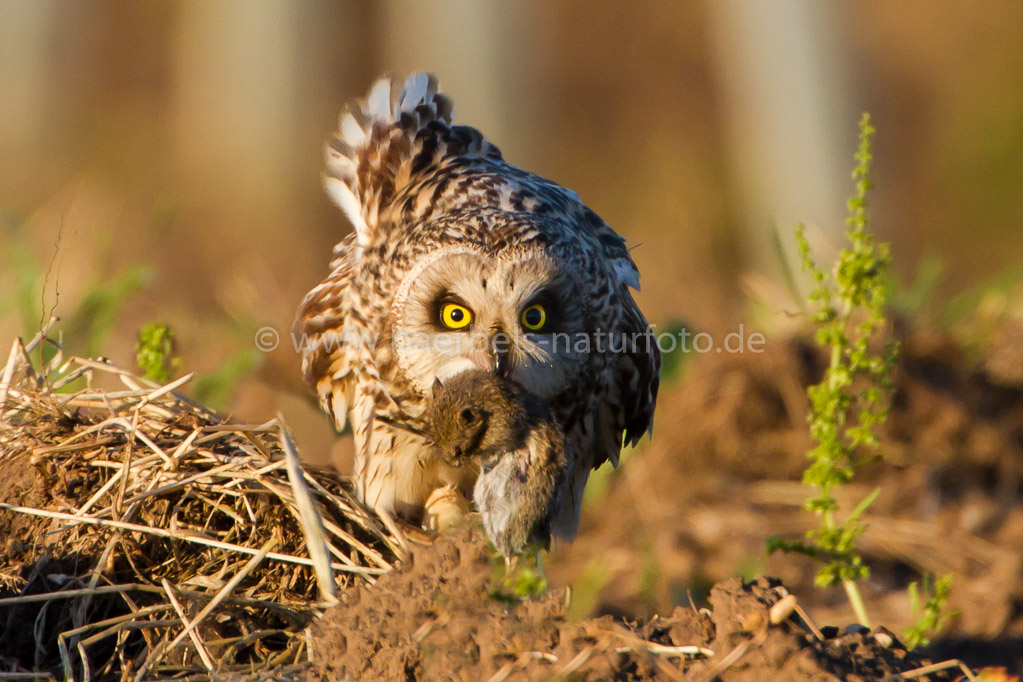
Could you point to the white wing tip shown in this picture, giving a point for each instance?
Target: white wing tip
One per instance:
(346, 200)
(381, 107)
(415, 91)
(353, 134)
(378, 102)
(356, 132)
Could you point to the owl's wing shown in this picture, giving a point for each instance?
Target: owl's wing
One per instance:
(625, 409)
(388, 143)
(620, 407)
(319, 335)
(385, 146)
(631, 376)
(637, 374)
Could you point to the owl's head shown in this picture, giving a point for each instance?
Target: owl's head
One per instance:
(516, 313)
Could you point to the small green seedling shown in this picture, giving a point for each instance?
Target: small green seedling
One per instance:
(154, 350)
(931, 616)
(853, 396)
(522, 579)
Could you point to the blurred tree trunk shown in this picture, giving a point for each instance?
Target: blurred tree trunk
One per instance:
(787, 90)
(234, 104)
(26, 32)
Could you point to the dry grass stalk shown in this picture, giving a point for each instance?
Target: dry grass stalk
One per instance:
(141, 535)
(933, 668)
(315, 538)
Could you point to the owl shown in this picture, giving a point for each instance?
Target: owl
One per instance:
(460, 260)
(478, 419)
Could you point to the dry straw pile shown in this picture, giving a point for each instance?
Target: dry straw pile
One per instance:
(148, 538)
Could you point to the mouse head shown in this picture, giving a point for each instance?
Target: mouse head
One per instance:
(474, 414)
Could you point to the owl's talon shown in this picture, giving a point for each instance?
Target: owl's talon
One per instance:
(416, 534)
(445, 508)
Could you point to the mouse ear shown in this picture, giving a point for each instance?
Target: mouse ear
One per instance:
(437, 384)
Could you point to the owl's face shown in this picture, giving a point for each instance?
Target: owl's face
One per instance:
(516, 313)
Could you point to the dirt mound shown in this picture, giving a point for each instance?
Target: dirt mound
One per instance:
(437, 620)
(146, 537)
(436, 616)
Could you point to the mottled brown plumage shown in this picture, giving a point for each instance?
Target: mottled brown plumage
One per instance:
(477, 418)
(440, 217)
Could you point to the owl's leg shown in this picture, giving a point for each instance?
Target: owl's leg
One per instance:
(445, 508)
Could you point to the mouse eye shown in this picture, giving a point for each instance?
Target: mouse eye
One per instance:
(468, 416)
(455, 316)
(534, 317)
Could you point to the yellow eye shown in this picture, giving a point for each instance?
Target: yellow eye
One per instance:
(454, 316)
(534, 317)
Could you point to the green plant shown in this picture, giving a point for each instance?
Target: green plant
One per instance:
(931, 617)
(917, 299)
(521, 580)
(650, 576)
(852, 398)
(674, 359)
(21, 277)
(153, 351)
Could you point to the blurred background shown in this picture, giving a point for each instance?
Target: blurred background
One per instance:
(160, 161)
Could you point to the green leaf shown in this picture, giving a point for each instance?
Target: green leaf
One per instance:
(153, 351)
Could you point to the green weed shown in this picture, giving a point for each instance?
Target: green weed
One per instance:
(586, 591)
(88, 321)
(154, 350)
(526, 580)
(849, 305)
(216, 388)
(930, 616)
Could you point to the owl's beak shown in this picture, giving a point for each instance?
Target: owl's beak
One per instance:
(500, 345)
(502, 366)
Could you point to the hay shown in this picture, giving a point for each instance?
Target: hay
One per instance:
(157, 539)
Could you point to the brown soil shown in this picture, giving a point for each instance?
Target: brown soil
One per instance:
(436, 621)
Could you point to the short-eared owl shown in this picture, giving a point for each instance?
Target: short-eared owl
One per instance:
(460, 260)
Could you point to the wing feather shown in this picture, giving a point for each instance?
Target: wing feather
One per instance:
(319, 331)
